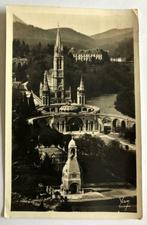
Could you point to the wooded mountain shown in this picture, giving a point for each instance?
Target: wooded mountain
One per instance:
(112, 40)
(33, 35)
(117, 41)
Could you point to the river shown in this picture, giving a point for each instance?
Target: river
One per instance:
(105, 103)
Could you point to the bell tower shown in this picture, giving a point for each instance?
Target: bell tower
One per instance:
(81, 93)
(58, 67)
(71, 177)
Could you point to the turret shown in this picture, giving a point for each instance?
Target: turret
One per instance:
(81, 88)
(45, 91)
(81, 93)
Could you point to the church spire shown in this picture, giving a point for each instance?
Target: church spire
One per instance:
(58, 44)
(58, 72)
(81, 93)
(81, 87)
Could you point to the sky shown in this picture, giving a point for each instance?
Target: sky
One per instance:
(88, 23)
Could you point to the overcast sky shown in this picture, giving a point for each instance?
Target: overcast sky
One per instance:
(87, 23)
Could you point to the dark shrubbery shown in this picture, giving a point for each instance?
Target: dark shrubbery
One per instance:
(125, 102)
(105, 163)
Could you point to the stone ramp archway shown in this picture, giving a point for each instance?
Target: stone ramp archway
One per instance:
(74, 124)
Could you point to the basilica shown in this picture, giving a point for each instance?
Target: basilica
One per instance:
(68, 116)
(52, 88)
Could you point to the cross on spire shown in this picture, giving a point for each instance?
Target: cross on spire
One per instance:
(58, 44)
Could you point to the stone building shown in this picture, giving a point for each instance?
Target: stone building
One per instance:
(71, 176)
(86, 55)
(118, 59)
(19, 60)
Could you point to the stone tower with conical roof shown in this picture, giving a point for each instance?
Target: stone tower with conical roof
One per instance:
(81, 93)
(45, 95)
(58, 69)
(71, 177)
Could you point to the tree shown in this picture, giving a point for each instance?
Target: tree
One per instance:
(125, 102)
(90, 146)
(21, 73)
(105, 56)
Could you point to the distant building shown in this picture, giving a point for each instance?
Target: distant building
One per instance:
(56, 155)
(86, 55)
(19, 60)
(118, 59)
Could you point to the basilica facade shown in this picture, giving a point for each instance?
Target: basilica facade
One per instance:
(52, 89)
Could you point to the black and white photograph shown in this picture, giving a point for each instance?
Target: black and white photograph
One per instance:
(72, 112)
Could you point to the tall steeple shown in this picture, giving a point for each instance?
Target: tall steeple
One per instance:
(58, 45)
(81, 93)
(58, 74)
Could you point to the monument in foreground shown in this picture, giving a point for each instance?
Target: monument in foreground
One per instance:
(71, 177)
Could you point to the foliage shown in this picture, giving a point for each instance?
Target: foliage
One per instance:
(125, 102)
(125, 49)
(105, 163)
(90, 146)
(20, 49)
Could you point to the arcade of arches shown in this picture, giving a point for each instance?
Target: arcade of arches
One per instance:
(92, 123)
(77, 124)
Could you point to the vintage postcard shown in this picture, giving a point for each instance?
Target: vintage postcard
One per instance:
(73, 137)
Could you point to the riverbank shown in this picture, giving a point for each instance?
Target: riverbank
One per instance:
(106, 103)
